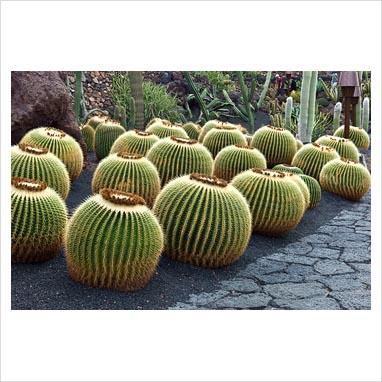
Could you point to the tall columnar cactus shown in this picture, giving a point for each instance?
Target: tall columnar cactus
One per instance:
(288, 113)
(163, 129)
(276, 201)
(345, 147)
(135, 142)
(265, 90)
(287, 168)
(192, 130)
(346, 178)
(39, 218)
(278, 145)
(105, 135)
(222, 136)
(136, 86)
(356, 134)
(175, 157)
(60, 144)
(314, 189)
(206, 221)
(312, 157)
(337, 115)
(113, 241)
(365, 114)
(234, 159)
(88, 133)
(33, 162)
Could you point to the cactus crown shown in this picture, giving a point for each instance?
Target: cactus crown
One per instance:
(243, 146)
(209, 179)
(338, 139)
(28, 184)
(33, 149)
(142, 133)
(275, 128)
(267, 172)
(323, 147)
(348, 161)
(54, 133)
(225, 126)
(184, 140)
(127, 155)
(121, 198)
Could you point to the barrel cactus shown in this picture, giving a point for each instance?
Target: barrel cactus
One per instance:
(302, 186)
(106, 134)
(95, 121)
(192, 130)
(114, 241)
(39, 219)
(234, 159)
(208, 126)
(288, 168)
(206, 221)
(88, 134)
(345, 178)
(345, 147)
(33, 162)
(180, 156)
(129, 173)
(276, 201)
(163, 128)
(60, 144)
(312, 157)
(277, 144)
(314, 189)
(134, 142)
(358, 135)
(299, 144)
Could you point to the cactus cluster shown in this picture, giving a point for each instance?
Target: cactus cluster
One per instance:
(59, 143)
(39, 218)
(114, 241)
(232, 160)
(288, 168)
(135, 142)
(358, 135)
(175, 157)
(345, 178)
(314, 190)
(105, 135)
(88, 133)
(128, 173)
(206, 221)
(345, 147)
(163, 129)
(192, 130)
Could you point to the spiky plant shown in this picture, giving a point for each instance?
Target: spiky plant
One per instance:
(357, 134)
(206, 221)
(39, 218)
(179, 156)
(106, 134)
(314, 189)
(114, 241)
(345, 178)
(345, 147)
(59, 143)
(234, 159)
(222, 136)
(135, 142)
(192, 130)
(277, 144)
(163, 129)
(312, 157)
(128, 173)
(95, 121)
(276, 202)
(248, 138)
(88, 133)
(33, 162)
(288, 168)
(301, 185)
(299, 144)
(208, 126)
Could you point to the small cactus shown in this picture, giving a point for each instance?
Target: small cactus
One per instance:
(163, 129)
(234, 159)
(276, 201)
(345, 147)
(175, 157)
(345, 178)
(288, 113)
(88, 134)
(33, 162)
(128, 173)
(113, 241)
(192, 130)
(358, 135)
(59, 143)
(39, 218)
(337, 115)
(105, 135)
(288, 168)
(365, 114)
(134, 142)
(277, 144)
(314, 189)
(312, 157)
(206, 221)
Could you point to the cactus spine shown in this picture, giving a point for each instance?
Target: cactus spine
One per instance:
(314, 189)
(88, 134)
(38, 221)
(206, 221)
(113, 241)
(192, 130)
(358, 135)
(134, 142)
(288, 168)
(365, 114)
(288, 113)
(163, 129)
(105, 135)
(345, 147)
(337, 115)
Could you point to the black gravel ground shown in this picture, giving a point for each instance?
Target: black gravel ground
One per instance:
(48, 285)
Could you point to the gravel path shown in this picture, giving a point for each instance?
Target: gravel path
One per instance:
(323, 264)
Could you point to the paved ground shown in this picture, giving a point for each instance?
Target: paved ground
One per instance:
(323, 264)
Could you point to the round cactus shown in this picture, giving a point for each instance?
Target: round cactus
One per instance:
(88, 134)
(277, 144)
(39, 218)
(312, 157)
(180, 156)
(276, 202)
(302, 186)
(59, 143)
(234, 159)
(105, 135)
(33, 162)
(222, 136)
(288, 168)
(345, 147)
(299, 144)
(163, 128)
(314, 189)
(192, 130)
(135, 142)
(356, 134)
(129, 173)
(206, 221)
(113, 241)
(208, 126)
(95, 121)
(346, 178)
